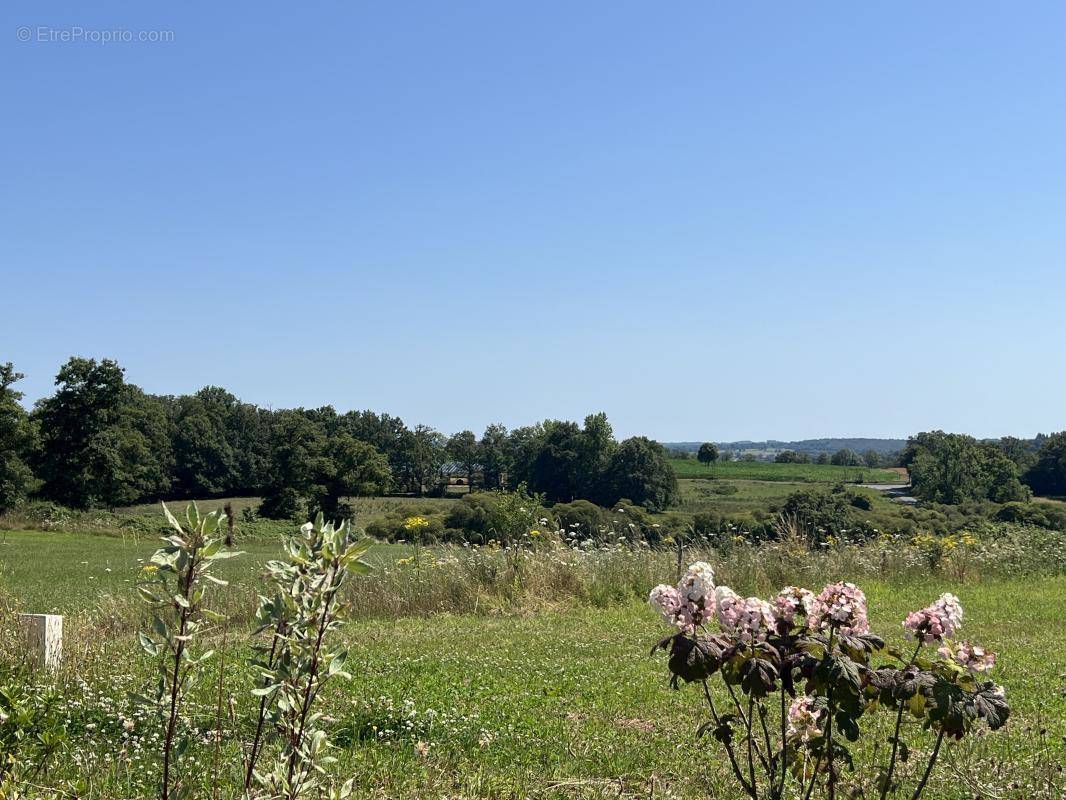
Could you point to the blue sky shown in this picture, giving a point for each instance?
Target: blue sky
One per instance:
(711, 221)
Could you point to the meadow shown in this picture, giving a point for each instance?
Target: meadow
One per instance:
(772, 471)
(468, 684)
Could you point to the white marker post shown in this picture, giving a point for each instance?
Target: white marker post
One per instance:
(44, 639)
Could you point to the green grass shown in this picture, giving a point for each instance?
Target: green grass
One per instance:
(365, 508)
(734, 496)
(771, 471)
(62, 573)
(562, 702)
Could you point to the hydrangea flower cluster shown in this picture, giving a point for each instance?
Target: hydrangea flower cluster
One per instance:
(804, 720)
(791, 601)
(751, 618)
(936, 622)
(840, 606)
(691, 602)
(972, 657)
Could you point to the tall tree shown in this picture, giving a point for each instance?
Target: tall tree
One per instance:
(425, 456)
(845, 458)
(462, 448)
(952, 468)
(103, 442)
(557, 468)
(596, 447)
(708, 453)
(205, 461)
(523, 446)
(1047, 476)
(388, 434)
(297, 451)
(640, 471)
(493, 454)
(871, 458)
(16, 441)
(350, 468)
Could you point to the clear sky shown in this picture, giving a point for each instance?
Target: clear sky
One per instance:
(710, 220)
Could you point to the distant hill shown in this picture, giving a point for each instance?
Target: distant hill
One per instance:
(810, 446)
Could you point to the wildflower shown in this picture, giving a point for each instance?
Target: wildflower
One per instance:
(936, 622)
(422, 749)
(840, 606)
(971, 657)
(666, 600)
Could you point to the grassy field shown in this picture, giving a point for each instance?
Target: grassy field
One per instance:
(771, 471)
(556, 701)
(365, 508)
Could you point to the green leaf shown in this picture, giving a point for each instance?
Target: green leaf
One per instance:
(150, 647)
(173, 522)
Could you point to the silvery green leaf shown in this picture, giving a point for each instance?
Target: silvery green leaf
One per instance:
(170, 518)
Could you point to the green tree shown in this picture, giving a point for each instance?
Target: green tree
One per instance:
(1021, 451)
(823, 458)
(388, 434)
(523, 446)
(640, 471)
(952, 468)
(871, 458)
(493, 453)
(205, 460)
(296, 464)
(349, 468)
(462, 448)
(425, 457)
(597, 444)
(557, 467)
(103, 442)
(17, 441)
(846, 458)
(708, 453)
(999, 476)
(787, 457)
(1047, 476)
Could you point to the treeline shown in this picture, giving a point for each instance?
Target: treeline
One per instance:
(102, 442)
(844, 457)
(953, 468)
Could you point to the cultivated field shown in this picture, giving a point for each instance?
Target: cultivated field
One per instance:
(547, 692)
(771, 471)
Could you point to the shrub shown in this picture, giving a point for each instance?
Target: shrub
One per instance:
(800, 671)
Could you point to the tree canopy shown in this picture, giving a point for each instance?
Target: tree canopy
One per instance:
(708, 453)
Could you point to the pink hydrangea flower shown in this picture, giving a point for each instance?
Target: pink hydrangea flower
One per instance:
(666, 600)
(728, 608)
(691, 602)
(697, 584)
(972, 657)
(804, 719)
(750, 619)
(936, 622)
(791, 601)
(842, 607)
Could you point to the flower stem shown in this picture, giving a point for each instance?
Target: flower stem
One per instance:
(929, 766)
(895, 736)
(729, 746)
